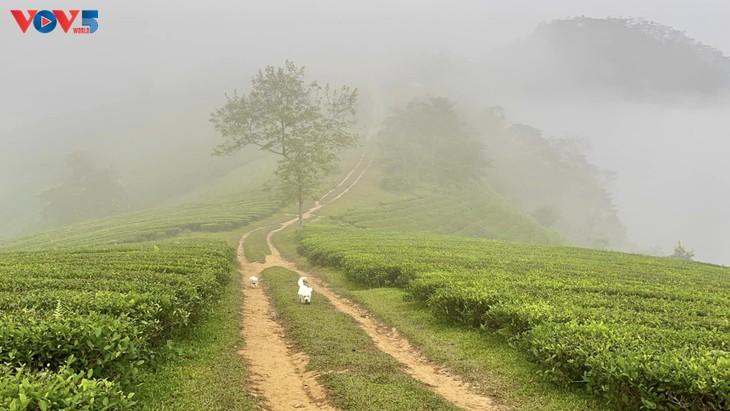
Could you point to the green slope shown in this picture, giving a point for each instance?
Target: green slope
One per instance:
(220, 210)
(226, 203)
(480, 213)
(235, 200)
(475, 211)
(638, 332)
(222, 213)
(158, 144)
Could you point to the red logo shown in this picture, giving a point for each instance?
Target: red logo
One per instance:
(45, 21)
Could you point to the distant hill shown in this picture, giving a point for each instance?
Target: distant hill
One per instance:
(533, 191)
(529, 180)
(551, 179)
(631, 57)
(158, 145)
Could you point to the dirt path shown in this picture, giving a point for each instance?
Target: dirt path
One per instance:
(278, 371)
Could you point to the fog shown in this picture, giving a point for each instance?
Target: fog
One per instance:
(671, 179)
(671, 183)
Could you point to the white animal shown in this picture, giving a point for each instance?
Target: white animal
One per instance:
(305, 293)
(254, 281)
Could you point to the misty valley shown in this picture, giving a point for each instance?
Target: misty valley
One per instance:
(536, 223)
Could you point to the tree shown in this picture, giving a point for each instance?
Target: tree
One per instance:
(681, 253)
(547, 216)
(427, 142)
(89, 191)
(304, 123)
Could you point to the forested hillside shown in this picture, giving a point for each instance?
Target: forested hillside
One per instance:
(489, 165)
(617, 56)
(151, 159)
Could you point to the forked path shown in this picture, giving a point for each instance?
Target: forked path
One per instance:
(279, 371)
(277, 368)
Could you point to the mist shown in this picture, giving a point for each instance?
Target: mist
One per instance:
(670, 184)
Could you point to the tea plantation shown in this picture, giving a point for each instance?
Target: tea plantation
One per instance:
(221, 213)
(76, 324)
(640, 332)
(481, 213)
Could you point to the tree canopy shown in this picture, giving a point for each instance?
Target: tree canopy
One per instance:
(304, 123)
(90, 190)
(426, 142)
(681, 253)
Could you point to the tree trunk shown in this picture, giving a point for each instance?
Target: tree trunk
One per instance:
(301, 219)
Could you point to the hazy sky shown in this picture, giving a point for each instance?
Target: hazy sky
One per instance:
(143, 45)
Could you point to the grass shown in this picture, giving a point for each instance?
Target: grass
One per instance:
(355, 373)
(255, 248)
(204, 371)
(483, 358)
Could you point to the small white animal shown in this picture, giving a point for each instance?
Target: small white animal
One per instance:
(305, 293)
(254, 281)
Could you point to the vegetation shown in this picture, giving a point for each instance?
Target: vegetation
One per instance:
(426, 143)
(64, 389)
(642, 58)
(76, 324)
(305, 124)
(202, 369)
(482, 358)
(652, 334)
(89, 191)
(155, 142)
(255, 247)
(221, 213)
(681, 253)
(477, 213)
(429, 147)
(550, 178)
(355, 373)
